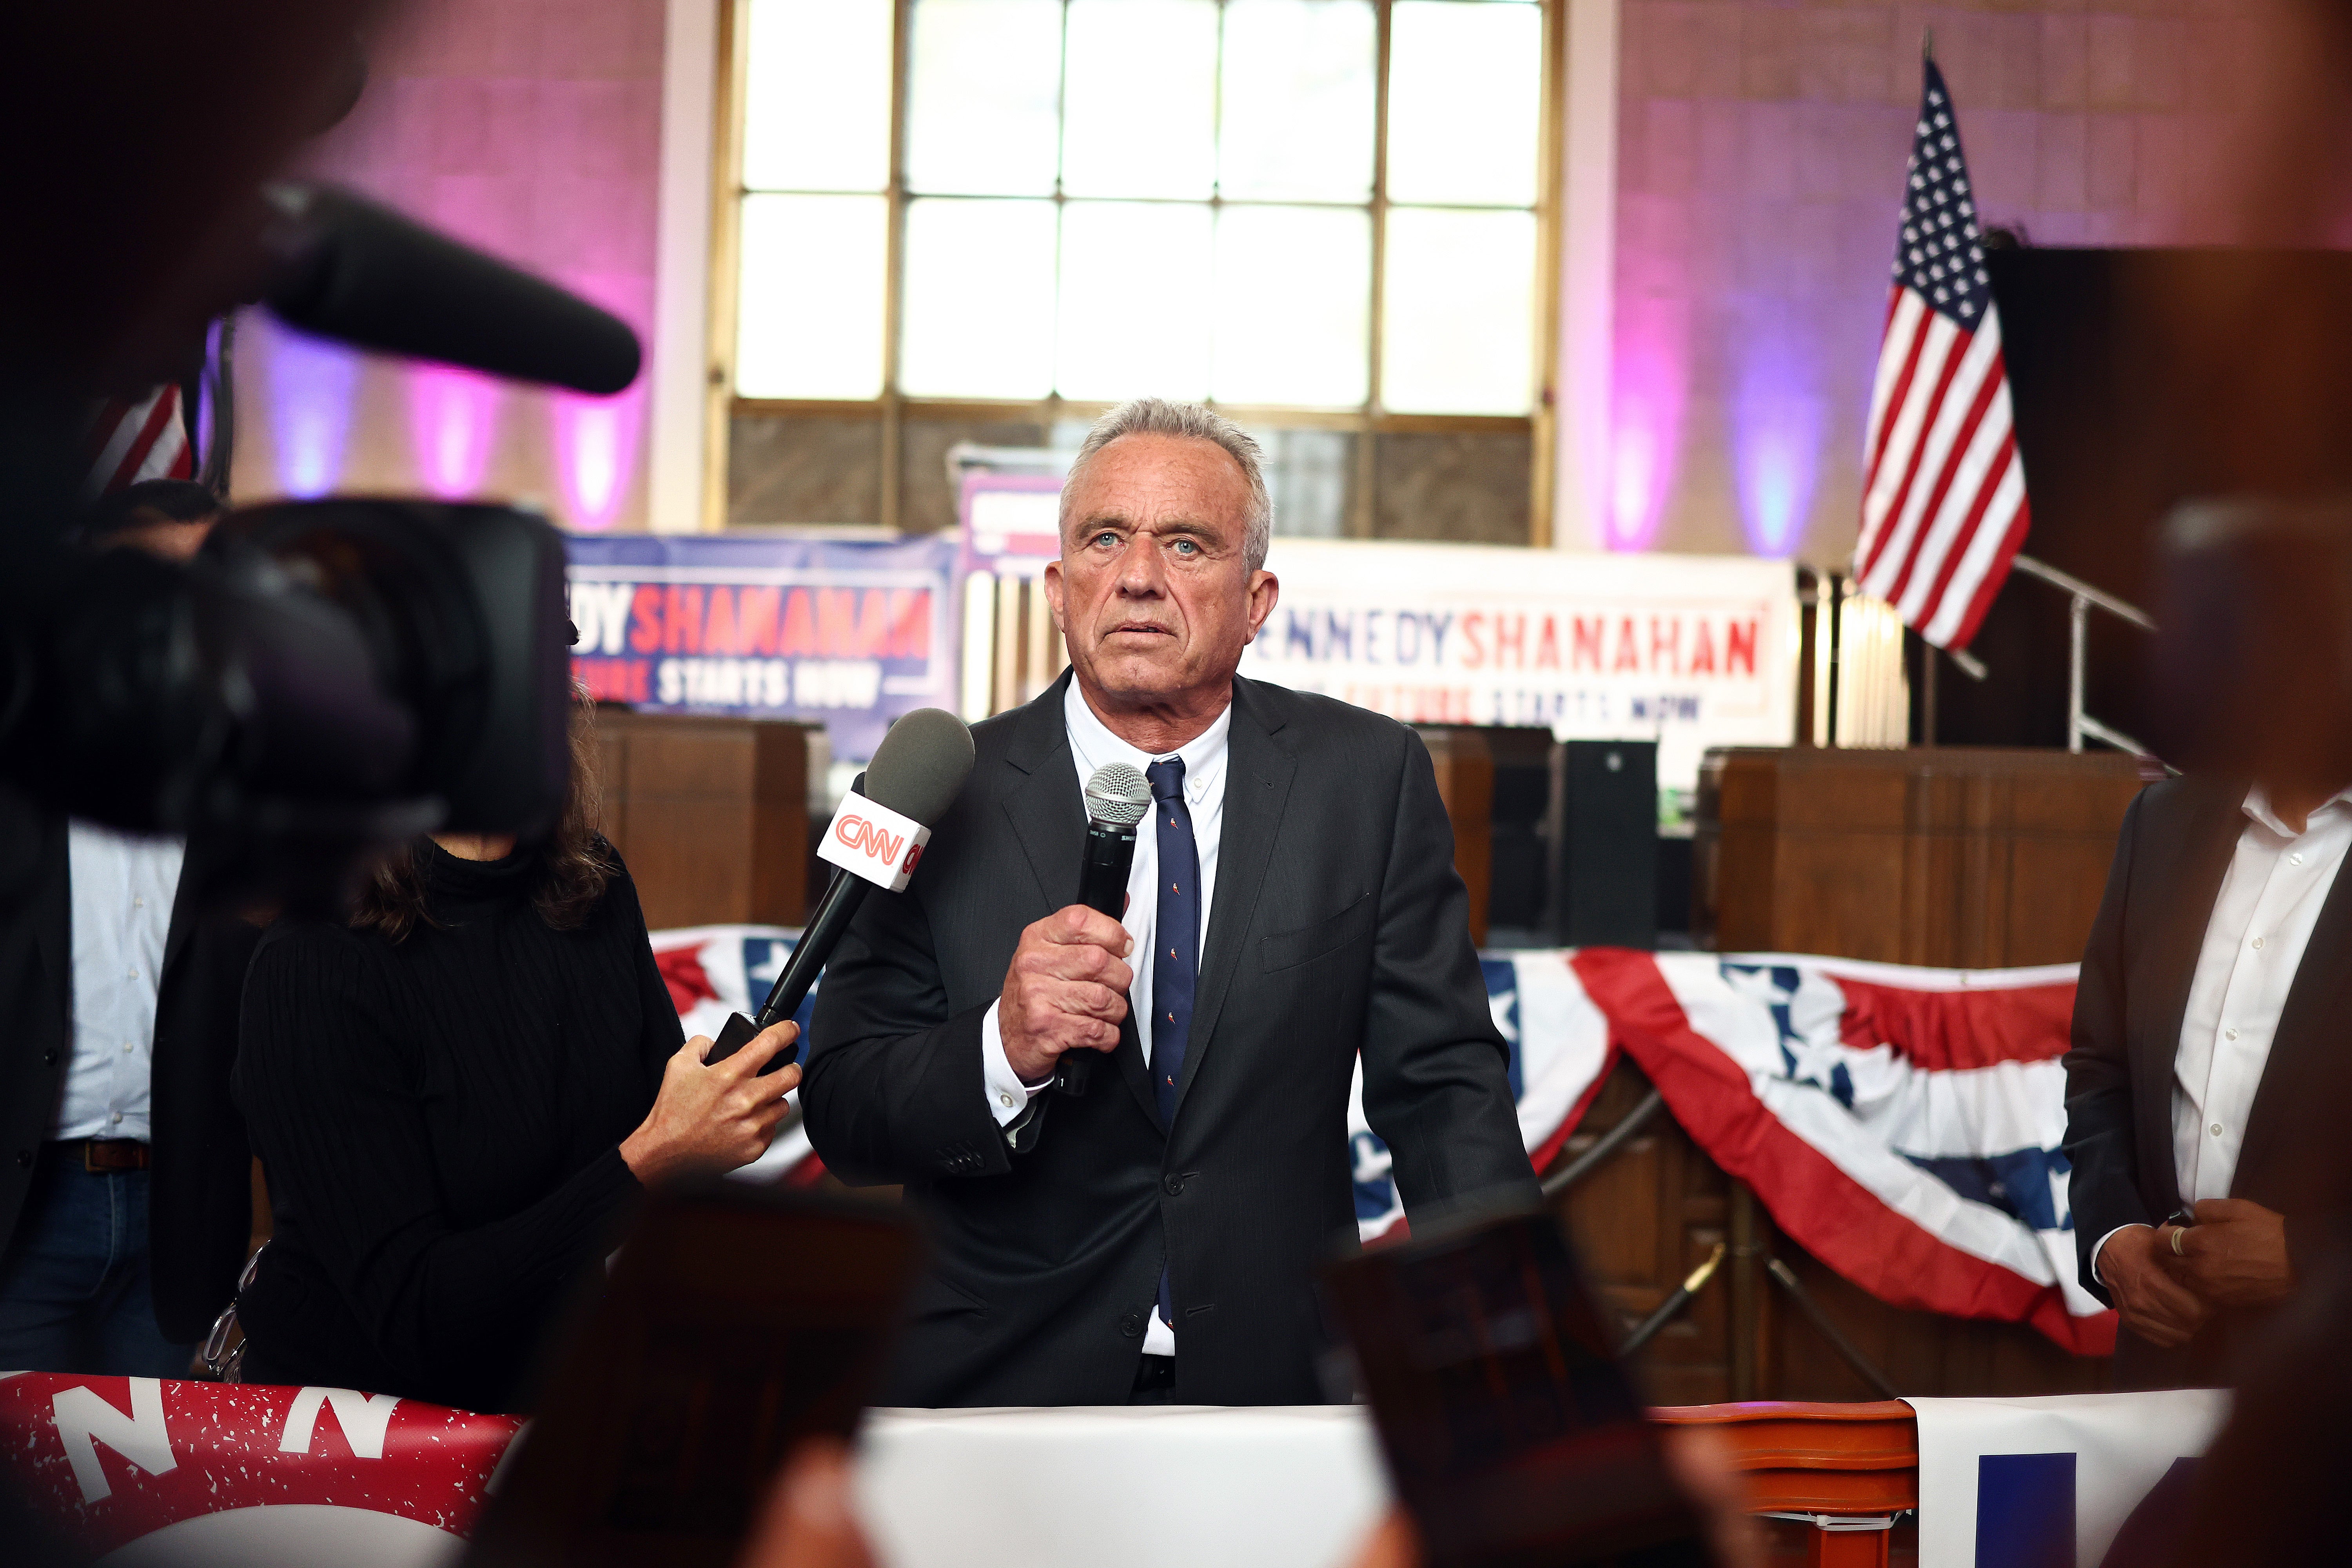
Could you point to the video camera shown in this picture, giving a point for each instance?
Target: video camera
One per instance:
(328, 675)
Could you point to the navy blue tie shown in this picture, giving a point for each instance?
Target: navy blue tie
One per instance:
(1176, 954)
(1175, 934)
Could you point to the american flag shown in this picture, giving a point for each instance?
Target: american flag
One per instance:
(130, 439)
(1944, 504)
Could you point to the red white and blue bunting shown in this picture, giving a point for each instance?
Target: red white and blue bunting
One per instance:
(1901, 1124)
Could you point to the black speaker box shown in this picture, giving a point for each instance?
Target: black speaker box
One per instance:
(1605, 838)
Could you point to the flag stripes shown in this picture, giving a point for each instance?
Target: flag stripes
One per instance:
(1944, 503)
(136, 439)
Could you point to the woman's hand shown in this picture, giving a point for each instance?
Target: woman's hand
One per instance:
(712, 1116)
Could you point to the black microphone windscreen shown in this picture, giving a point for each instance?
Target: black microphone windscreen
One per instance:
(362, 274)
(920, 764)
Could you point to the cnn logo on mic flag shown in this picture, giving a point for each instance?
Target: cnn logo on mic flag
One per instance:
(868, 839)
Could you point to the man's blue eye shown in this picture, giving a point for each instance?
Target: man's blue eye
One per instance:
(1186, 547)
(1105, 538)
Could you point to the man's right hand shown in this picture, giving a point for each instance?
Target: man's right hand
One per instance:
(2155, 1306)
(1065, 990)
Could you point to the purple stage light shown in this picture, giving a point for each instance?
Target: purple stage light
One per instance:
(311, 383)
(1776, 444)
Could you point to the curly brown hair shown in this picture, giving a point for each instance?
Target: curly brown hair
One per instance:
(575, 863)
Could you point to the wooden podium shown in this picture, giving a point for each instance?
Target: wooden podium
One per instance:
(1841, 1475)
(1962, 857)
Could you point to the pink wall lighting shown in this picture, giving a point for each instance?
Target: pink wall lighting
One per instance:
(597, 447)
(1646, 423)
(453, 415)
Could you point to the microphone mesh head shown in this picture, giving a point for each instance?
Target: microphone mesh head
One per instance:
(920, 764)
(1118, 795)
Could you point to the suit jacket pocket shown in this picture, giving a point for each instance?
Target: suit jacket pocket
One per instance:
(1288, 949)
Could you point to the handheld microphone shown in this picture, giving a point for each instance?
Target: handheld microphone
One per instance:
(875, 839)
(1118, 796)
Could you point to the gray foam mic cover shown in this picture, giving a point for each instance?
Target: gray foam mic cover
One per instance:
(920, 764)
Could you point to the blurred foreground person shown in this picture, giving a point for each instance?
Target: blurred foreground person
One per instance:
(454, 1097)
(124, 1196)
(2208, 1087)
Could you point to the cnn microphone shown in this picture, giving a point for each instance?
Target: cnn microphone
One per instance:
(1118, 796)
(874, 840)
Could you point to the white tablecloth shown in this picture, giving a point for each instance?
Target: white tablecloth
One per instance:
(1166, 1487)
(2098, 1454)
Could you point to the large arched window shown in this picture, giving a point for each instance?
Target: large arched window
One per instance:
(949, 221)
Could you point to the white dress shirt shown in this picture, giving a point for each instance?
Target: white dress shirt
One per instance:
(1092, 744)
(122, 886)
(2271, 898)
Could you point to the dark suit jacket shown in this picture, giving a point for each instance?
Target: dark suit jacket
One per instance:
(2177, 842)
(200, 1193)
(1338, 926)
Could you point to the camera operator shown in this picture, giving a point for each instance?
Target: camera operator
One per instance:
(124, 1195)
(454, 1096)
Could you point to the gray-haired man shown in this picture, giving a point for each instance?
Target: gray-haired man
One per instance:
(1293, 905)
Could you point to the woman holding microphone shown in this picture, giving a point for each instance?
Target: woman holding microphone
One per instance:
(455, 1096)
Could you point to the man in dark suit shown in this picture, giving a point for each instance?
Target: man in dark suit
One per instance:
(2210, 1072)
(125, 1186)
(1293, 905)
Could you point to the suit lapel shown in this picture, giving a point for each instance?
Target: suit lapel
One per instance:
(1043, 806)
(53, 927)
(1042, 800)
(187, 904)
(1258, 773)
(2200, 862)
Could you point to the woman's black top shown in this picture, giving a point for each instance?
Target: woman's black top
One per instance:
(439, 1121)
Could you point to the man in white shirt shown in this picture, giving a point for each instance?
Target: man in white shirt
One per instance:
(1292, 909)
(2207, 1021)
(123, 1167)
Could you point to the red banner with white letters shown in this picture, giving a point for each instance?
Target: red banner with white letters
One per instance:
(227, 1472)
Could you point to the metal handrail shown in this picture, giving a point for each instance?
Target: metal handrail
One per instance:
(2085, 599)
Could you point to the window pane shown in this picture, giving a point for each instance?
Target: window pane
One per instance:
(1457, 331)
(1465, 86)
(1296, 114)
(816, 96)
(1135, 292)
(808, 310)
(1142, 85)
(983, 98)
(1293, 301)
(980, 300)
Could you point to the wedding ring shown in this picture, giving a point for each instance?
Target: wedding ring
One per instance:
(2177, 1234)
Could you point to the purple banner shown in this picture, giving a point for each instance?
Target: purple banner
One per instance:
(845, 634)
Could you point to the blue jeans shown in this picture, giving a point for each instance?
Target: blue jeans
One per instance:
(74, 1287)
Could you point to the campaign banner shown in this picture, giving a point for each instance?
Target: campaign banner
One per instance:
(1691, 651)
(138, 1470)
(2050, 1479)
(846, 634)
